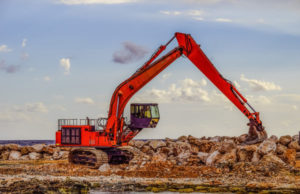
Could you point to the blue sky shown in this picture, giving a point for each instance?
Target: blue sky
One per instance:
(56, 61)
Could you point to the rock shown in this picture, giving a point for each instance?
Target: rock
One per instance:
(24, 157)
(194, 149)
(227, 146)
(181, 159)
(165, 150)
(145, 149)
(5, 155)
(2, 147)
(242, 138)
(205, 145)
(34, 156)
(159, 157)
(216, 139)
(285, 140)
(38, 147)
(280, 149)
(139, 144)
(255, 157)
(26, 149)
(182, 138)
(154, 144)
(295, 138)
(274, 138)
(14, 155)
(245, 153)
(104, 168)
(271, 158)
(294, 145)
(180, 147)
(47, 156)
(290, 156)
(131, 143)
(210, 161)
(266, 147)
(228, 158)
(203, 156)
(15, 147)
(48, 150)
(60, 155)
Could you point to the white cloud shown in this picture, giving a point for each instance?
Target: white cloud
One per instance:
(258, 85)
(195, 12)
(86, 100)
(187, 90)
(4, 48)
(236, 84)
(24, 42)
(47, 78)
(198, 18)
(223, 20)
(89, 2)
(66, 64)
(37, 107)
(171, 12)
(166, 76)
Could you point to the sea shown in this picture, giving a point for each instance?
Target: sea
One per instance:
(27, 142)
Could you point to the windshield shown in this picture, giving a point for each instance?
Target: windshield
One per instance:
(154, 112)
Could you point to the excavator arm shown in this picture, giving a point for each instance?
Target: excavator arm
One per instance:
(150, 69)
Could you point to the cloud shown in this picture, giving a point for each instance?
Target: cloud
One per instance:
(195, 12)
(186, 90)
(130, 53)
(24, 42)
(89, 2)
(223, 20)
(66, 64)
(8, 68)
(47, 78)
(86, 100)
(258, 85)
(166, 76)
(171, 12)
(37, 107)
(4, 48)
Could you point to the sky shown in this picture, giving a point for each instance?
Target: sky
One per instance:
(64, 58)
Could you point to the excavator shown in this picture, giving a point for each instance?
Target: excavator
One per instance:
(105, 140)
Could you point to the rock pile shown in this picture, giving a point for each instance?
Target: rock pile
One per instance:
(218, 151)
(35, 152)
(184, 151)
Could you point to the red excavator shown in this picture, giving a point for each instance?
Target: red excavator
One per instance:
(98, 141)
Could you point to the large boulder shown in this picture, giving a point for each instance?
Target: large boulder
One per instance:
(245, 153)
(228, 158)
(227, 146)
(285, 140)
(48, 149)
(34, 156)
(139, 144)
(38, 147)
(60, 155)
(280, 149)
(15, 147)
(5, 155)
(289, 156)
(14, 155)
(255, 157)
(104, 167)
(145, 149)
(271, 158)
(212, 158)
(266, 147)
(294, 145)
(182, 158)
(203, 156)
(204, 145)
(158, 157)
(26, 150)
(155, 144)
(24, 157)
(183, 138)
(295, 138)
(2, 147)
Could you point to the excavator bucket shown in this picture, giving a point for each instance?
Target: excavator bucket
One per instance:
(255, 134)
(144, 115)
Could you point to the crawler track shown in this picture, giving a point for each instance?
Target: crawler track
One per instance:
(88, 156)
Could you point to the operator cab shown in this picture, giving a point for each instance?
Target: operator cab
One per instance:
(144, 115)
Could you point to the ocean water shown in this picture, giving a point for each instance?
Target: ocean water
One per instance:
(27, 142)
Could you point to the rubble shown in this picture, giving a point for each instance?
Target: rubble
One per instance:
(218, 160)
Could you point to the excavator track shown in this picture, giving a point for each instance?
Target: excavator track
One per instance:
(90, 157)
